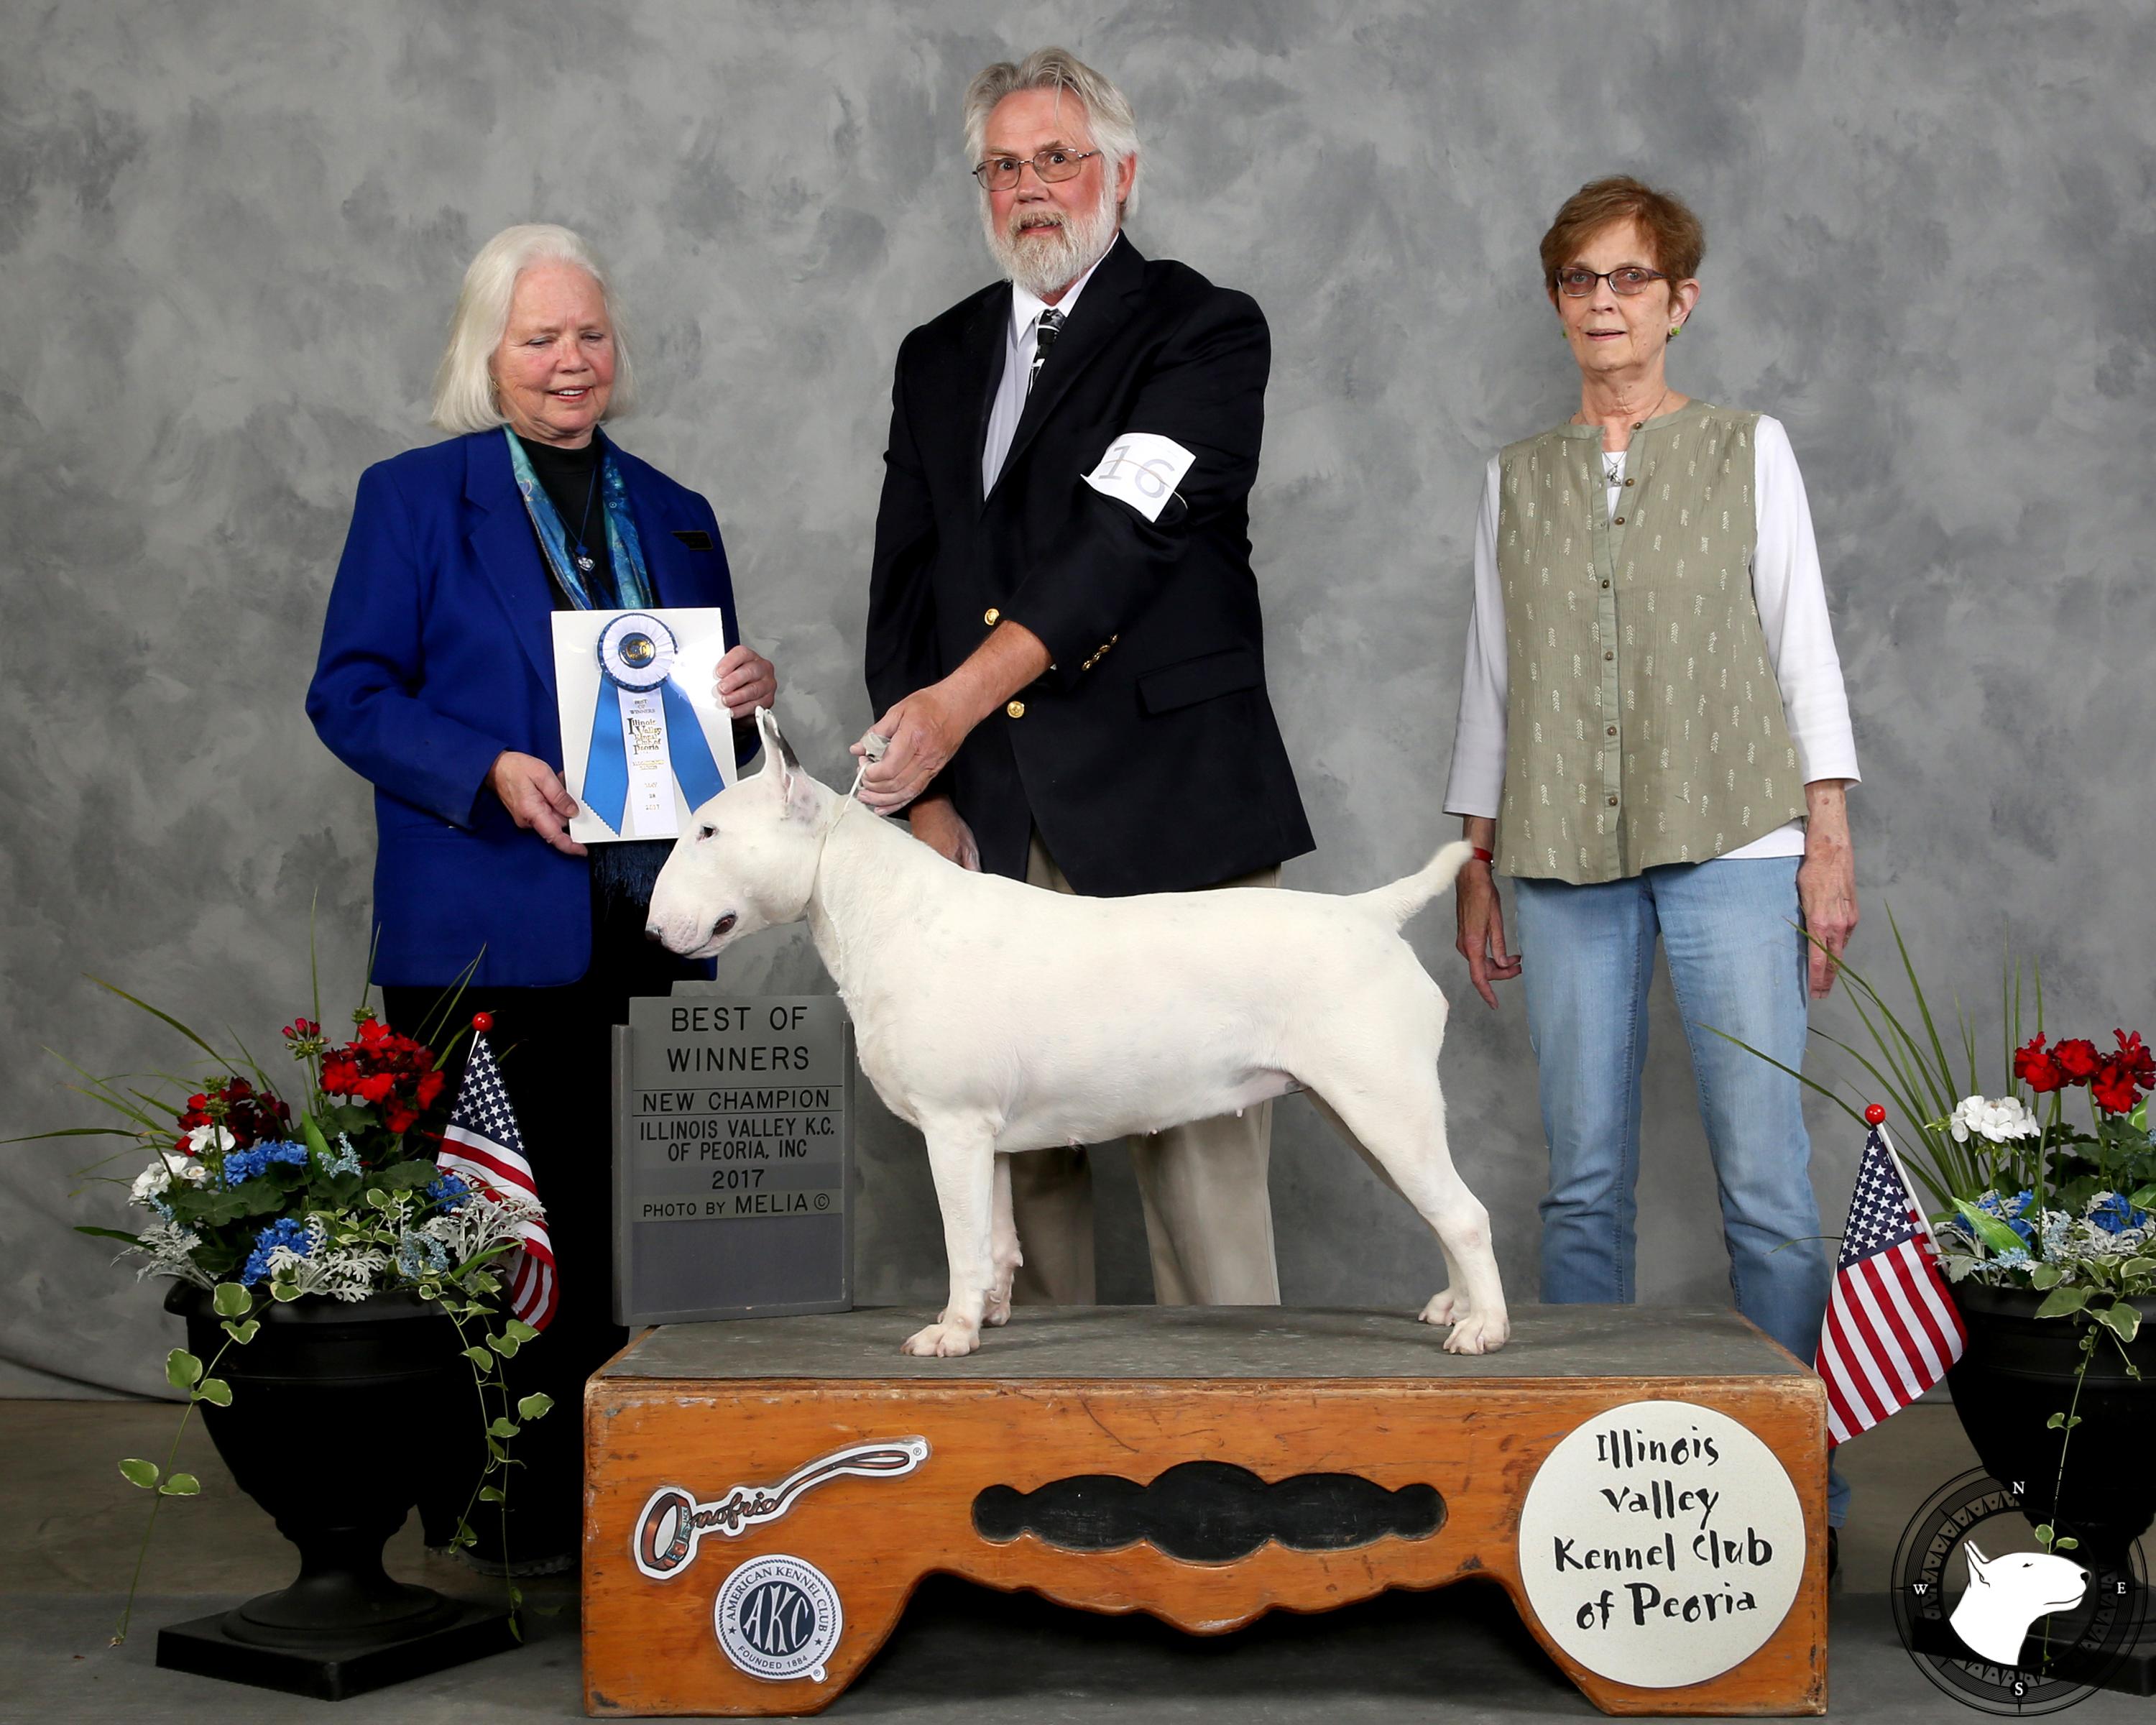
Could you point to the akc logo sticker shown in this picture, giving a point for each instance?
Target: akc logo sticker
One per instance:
(778, 1617)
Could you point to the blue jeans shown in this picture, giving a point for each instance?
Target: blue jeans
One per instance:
(1738, 965)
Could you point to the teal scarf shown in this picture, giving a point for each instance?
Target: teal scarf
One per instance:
(632, 581)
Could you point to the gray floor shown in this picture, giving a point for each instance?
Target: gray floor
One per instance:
(70, 1527)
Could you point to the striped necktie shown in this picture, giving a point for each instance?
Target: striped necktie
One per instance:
(1045, 330)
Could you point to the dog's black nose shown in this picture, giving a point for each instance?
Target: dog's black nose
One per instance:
(651, 933)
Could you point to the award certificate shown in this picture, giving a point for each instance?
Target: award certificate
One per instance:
(644, 741)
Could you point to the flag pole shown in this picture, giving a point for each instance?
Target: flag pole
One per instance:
(1907, 1184)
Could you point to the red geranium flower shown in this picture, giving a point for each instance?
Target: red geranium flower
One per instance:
(2114, 1089)
(2135, 1059)
(2078, 1058)
(2037, 1069)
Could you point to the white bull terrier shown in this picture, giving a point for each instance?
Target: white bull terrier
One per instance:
(997, 1018)
(2006, 1594)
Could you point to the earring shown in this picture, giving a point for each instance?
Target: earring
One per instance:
(1674, 328)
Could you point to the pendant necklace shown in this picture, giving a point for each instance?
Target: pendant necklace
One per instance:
(1613, 461)
(585, 561)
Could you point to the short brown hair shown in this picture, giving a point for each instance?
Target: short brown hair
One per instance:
(1680, 242)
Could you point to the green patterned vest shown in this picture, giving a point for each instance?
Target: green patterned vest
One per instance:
(1642, 722)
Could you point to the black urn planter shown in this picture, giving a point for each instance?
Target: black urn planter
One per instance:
(341, 1415)
(2017, 1371)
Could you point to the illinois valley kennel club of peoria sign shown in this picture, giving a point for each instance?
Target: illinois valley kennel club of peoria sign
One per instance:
(733, 1156)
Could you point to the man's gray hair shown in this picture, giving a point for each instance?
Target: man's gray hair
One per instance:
(1108, 111)
(464, 387)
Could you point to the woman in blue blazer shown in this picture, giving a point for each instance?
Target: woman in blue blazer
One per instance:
(436, 683)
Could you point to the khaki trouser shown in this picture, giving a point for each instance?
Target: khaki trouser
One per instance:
(1209, 1216)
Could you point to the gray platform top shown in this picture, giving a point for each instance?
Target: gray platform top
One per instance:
(1219, 1342)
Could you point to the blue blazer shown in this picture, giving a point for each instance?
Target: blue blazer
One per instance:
(438, 653)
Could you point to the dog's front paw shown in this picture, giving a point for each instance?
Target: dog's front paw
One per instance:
(1478, 1332)
(999, 1311)
(942, 1341)
(1445, 1308)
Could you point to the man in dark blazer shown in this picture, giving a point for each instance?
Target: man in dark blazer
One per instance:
(1064, 640)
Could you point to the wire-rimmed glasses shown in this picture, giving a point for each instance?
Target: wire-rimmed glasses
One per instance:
(1000, 173)
(1576, 281)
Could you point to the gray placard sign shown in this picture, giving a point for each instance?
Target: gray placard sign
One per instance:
(734, 1157)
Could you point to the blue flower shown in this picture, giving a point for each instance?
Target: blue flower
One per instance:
(286, 1232)
(241, 1166)
(2009, 1211)
(449, 1191)
(2113, 1215)
(420, 1255)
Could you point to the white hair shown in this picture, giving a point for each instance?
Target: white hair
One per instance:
(464, 384)
(1108, 114)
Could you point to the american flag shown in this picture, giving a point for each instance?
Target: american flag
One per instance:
(482, 1145)
(1891, 1329)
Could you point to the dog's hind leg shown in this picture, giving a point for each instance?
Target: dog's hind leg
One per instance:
(1445, 1307)
(1004, 1251)
(962, 1155)
(1394, 1116)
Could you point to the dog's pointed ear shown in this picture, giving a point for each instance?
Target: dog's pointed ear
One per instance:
(778, 756)
(1977, 1561)
(797, 790)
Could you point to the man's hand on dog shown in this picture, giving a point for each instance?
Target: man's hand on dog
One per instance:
(925, 729)
(937, 823)
(535, 797)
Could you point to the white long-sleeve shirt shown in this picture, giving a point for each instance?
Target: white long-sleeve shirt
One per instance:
(1786, 585)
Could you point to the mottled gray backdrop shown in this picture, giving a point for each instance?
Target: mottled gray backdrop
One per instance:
(230, 236)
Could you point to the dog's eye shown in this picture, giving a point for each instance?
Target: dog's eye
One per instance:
(707, 832)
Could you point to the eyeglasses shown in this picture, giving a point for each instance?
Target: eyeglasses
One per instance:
(1000, 173)
(1577, 282)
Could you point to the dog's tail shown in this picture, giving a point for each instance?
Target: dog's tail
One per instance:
(1405, 896)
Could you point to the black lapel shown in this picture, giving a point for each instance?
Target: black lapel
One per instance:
(1105, 307)
(986, 344)
(506, 547)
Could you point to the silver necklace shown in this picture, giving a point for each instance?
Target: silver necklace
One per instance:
(1613, 460)
(585, 561)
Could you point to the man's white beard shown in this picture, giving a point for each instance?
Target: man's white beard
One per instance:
(1046, 261)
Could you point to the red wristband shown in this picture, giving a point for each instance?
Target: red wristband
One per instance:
(1482, 855)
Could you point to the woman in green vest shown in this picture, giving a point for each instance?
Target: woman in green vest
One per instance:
(1654, 743)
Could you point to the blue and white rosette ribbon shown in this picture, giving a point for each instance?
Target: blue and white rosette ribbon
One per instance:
(637, 654)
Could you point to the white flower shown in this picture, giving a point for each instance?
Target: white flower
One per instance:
(209, 1137)
(1999, 1122)
(152, 1182)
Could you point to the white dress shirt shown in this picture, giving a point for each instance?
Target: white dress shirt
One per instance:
(1786, 584)
(1018, 369)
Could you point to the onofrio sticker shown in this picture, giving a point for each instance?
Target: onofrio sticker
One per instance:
(1661, 1543)
(778, 1617)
